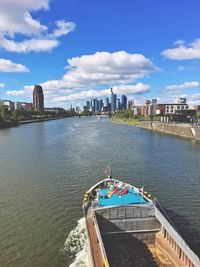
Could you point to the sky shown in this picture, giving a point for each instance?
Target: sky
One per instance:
(78, 49)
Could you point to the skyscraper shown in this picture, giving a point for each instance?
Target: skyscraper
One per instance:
(38, 98)
(124, 102)
(113, 101)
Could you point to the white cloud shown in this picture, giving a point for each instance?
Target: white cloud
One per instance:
(2, 85)
(179, 42)
(16, 92)
(63, 28)
(183, 86)
(36, 45)
(101, 69)
(16, 18)
(183, 52)
(104, 68)
(139, 88)
(186, 68)
(88, 75)
(9, 66)
(194, 99)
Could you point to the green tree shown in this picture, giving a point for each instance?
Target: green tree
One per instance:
(5, 114)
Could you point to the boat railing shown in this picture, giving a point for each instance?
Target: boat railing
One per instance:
(177, 237)
(100, 241)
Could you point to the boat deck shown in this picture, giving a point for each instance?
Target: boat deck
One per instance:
(96, 250)
(131, 197)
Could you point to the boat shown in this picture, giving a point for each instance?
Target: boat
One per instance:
(125, 227)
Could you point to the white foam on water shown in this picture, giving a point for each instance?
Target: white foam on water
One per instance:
(75, 245)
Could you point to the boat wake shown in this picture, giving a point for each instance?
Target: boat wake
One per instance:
(75, 245)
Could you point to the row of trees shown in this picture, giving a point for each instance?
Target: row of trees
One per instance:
(9, 118)
(129, 114)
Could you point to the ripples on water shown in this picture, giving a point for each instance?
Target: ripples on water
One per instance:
(46, 167)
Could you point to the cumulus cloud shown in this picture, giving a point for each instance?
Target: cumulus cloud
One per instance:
(16, 18)
(183, 52)
(102, 68)
(139, 88)
(9, 66)
(183, 86)
(63, 28)
(36, 45)
(88, 75)
(16, 92)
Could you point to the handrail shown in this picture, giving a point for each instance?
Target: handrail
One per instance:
(176, 236)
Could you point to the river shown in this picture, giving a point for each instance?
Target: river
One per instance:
(46, 167)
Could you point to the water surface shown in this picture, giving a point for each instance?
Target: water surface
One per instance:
(45, 168)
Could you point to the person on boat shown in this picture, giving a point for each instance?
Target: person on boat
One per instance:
(112, 192)
(123, 191)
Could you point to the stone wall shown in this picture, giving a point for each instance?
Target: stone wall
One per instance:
(186, 131)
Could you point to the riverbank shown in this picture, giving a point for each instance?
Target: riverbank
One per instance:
(40, 120)
(182, 130)
(7, 124)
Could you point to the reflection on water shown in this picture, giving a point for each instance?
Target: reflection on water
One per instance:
(46, 167)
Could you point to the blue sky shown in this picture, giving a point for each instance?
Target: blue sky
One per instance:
(78, 49)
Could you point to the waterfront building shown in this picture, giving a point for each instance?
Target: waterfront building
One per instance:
(17, 105)
(147, 109)
(159, 109)
(38, 98)
(8, 103)
(123, 102)
(113, 101)
(131, 103)
(154, 101)
(172, 108)
(153, 106)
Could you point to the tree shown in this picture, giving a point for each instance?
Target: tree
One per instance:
(5, 114)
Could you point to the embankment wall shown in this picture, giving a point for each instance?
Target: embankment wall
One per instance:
(174, 129)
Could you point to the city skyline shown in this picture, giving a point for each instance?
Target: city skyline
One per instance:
(152, 51)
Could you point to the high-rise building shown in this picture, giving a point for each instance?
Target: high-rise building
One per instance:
(88, 105)
(100, 105)
(106, 102)
(95, 105)
(118, 104)
(113, 101)
(38, 98)
(124, 102)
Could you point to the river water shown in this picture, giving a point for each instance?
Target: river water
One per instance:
(46, 167)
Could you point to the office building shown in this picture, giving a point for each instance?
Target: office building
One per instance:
(123, 102)
(38, 98)
(113, 101)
